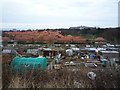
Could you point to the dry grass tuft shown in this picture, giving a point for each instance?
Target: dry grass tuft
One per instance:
(61, 79)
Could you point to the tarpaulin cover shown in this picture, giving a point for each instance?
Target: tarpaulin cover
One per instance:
(23, 63)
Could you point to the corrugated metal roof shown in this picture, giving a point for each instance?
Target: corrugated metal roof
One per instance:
(32, 50)
(109, 51)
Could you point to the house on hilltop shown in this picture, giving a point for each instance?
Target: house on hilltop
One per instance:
(100, 40)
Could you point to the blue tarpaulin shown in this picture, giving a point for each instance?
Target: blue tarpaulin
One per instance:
(92, 56)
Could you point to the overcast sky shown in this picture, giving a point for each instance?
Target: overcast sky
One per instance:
(59, 13)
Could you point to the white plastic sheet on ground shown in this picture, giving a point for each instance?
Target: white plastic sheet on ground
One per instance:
(91, 75)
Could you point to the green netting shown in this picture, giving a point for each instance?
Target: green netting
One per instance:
(23, 63)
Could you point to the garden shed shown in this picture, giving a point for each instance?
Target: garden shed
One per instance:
(69, 52)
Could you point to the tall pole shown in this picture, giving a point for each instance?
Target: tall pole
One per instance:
(119, 14)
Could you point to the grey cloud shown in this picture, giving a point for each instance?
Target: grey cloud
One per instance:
(75, 12)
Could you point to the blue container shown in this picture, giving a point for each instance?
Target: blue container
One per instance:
(104, 62)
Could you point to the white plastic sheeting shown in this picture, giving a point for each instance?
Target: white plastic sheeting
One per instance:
(8, 51)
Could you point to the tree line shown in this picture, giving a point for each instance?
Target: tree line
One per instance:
(110, 34)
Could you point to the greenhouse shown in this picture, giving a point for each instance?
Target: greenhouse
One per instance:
(22, 63)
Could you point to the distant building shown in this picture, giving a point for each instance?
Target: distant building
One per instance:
(79, 40)
(82, 27)
(42, 37)
(100, 40)
(5, 39)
